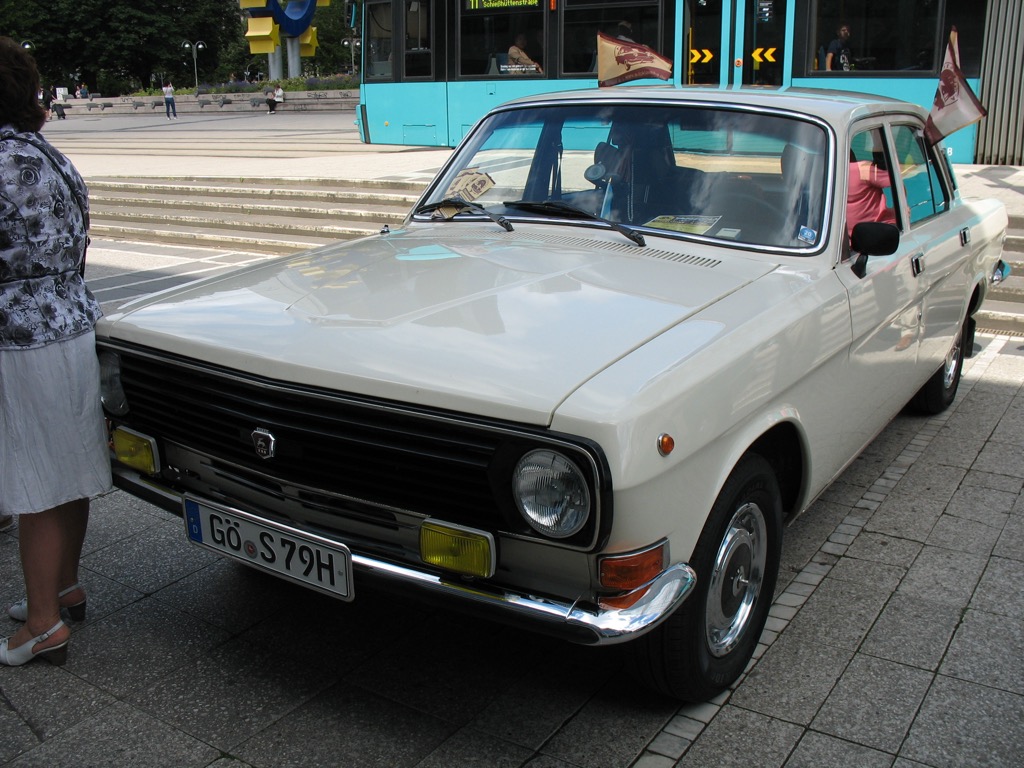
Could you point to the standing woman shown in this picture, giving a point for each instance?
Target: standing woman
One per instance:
(53, 454)
(169, 100)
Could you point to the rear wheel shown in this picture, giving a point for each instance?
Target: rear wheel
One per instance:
(939, 391)
(705, 645)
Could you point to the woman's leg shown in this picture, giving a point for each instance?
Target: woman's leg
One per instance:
(46, 544)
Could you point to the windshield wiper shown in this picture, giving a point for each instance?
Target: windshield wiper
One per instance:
(464, 205)
(558, 206)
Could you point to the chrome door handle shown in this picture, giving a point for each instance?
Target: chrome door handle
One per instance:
(917, 264)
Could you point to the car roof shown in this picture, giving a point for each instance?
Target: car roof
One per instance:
(835, 107)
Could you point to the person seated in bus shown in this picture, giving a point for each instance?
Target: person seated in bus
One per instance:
(518, 59)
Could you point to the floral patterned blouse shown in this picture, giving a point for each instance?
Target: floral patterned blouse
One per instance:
(43, 223)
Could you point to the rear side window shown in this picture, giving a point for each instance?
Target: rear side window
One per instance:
(922, 181)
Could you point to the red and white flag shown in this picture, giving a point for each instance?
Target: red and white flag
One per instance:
(619, 61)
(955, 104)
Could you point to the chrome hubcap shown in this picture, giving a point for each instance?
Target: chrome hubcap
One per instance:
(952, 361)
(736, 579)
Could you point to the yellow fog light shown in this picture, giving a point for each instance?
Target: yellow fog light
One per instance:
(136, 450)
(458, 549)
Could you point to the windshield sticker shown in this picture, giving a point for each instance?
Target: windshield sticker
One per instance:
(470, 184)
(807, 235)
(693, 225)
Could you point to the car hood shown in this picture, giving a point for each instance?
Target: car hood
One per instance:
(448, 315)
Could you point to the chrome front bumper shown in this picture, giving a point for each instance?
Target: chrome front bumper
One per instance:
(577, 621)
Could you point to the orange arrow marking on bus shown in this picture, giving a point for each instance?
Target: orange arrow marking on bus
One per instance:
(695, 55)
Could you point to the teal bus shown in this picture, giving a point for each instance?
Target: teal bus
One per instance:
(429, 69)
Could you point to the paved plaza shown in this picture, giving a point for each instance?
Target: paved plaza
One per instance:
(896, 637)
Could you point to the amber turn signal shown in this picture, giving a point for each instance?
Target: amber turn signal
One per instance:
(627, 572)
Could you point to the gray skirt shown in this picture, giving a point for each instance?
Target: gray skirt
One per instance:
(53, 444)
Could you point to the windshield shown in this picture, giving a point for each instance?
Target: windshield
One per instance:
(689, 170)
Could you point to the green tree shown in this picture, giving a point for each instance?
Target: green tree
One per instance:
(117, 46)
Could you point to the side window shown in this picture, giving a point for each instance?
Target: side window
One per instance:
(922, 181)
(869, 194)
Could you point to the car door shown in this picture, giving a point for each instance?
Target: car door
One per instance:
(939, 236)
(885, 299)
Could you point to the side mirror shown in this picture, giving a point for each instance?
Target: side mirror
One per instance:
(873, 238)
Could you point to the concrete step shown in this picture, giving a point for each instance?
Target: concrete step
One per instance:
(1001, 317)
(269, 216)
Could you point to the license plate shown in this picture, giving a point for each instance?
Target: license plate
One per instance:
(298, 556)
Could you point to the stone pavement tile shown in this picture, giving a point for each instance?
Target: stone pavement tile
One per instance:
(819, 750)
(983, 505)
(151, 559)
(839, 613)
(959, 535)
(232, 693)
(844, 492)
(962, 723)
(792, 679)
(46, 699)
(975, 479)
(229, 595)
(117, 517)
(1011, 425)
(978, 413)
(913, 631)
(800, 543)
(883, 548)
(470, 748)
(1011, 540)
(119, 736)
(553, 683)
(873, 703)
(229, 762)
(741, 738)
(937, 575)
(1002, 459)
(906, 517)
(988, 649)
(546, 761)
(954, 448)
(931, 483)
(347, 726)
(462, 646)
(1001, 590)
(614, 727)
(868, 572)
(136, 647)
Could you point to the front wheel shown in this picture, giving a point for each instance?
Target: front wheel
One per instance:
(705, 645)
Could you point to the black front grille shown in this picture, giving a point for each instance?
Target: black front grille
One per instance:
(428, 463)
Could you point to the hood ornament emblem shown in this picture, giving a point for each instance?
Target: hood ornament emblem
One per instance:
(264, 442)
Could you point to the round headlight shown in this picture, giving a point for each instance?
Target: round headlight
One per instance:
(551, 493)
(111, 393)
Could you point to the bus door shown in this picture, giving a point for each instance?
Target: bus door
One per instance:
(738, 42)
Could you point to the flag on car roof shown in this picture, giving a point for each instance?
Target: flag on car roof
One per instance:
(955, 104)
(619, 61)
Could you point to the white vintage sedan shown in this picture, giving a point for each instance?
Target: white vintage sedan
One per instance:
(620, 339)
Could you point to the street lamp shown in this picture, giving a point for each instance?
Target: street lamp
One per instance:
(196, 47)
(28, 45)
(353, 44)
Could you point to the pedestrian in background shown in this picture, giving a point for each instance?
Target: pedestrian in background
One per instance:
(169, 101)
(53, 447)
(275, 98)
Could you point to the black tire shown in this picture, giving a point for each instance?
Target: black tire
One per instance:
(705, 645)
(939, 391)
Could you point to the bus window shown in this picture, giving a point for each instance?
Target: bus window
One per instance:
(417, 39)
(377, 54)
(487, 34)
(634, 22)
